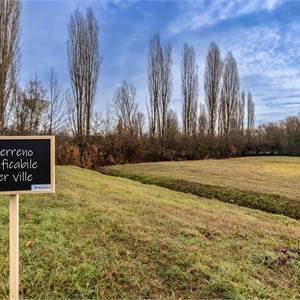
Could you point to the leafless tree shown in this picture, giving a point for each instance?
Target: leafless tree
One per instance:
(55, 111)
(154, 83)
(29, 109)
(98, 124)
(172, 127)
(84, 65)
(160, 86)
(126, 107)
(202, 120)
(229, 94)
(250, 115)
(9, 54)
(237, 122)
(20, 113)
(212, 85)
(189, 87)
(140, 123)
(241, 112)
(36, 104)
(108, 120)
(166, 88)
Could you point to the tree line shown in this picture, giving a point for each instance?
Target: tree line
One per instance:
(221, 125)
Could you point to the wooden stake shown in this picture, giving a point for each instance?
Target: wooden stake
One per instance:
(14, 247)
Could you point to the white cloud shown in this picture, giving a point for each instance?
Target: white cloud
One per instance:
(269, 66)
(261, 51)
(267, 54)
(198, 15)
(271, 4)
(109, 4)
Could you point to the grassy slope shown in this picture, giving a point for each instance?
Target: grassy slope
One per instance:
(275, 175)
(109, 237)
(267, 183)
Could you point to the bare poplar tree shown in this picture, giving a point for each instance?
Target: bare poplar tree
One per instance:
(166, 87)
(84, 65)
(229, 94)
(212, 85)
(160, 86)
(55, 111)
(154, 83)
(9, 54)
(241, 112)
(250, 115)
(189, 88)
(126, 107)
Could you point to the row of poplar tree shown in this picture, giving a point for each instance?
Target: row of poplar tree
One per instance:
(224, 124)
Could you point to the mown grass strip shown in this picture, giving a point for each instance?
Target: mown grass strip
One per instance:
(267, 202)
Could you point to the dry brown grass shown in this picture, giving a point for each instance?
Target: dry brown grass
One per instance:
(275, 175)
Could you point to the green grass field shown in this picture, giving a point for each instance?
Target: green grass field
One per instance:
(110, 237)
(267, 183)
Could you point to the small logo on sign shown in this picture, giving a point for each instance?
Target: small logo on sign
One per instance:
(41, 187)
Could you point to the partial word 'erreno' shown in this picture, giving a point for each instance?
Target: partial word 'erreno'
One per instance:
(16, 152)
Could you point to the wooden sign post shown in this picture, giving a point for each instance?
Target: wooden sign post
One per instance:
(14, 246)
(27, 166)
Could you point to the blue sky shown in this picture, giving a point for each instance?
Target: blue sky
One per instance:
(264, 36)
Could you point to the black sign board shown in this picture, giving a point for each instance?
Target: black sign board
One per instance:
(27, 164)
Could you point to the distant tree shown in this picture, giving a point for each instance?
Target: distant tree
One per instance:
(202, 120)
(140, 123)
(84, 65)
(9, 54)
(250, 115)
(98, 124)
(20, 113)
(126, 107)
(237, 122)
(55, 111)
(172, 122)
(273, 136)
(229, 95)
(241, 112)
(36, 105)
(212, 85)
(108, 121)
(172, 131)
(29, 109)
(292, 135)
(189, 88)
